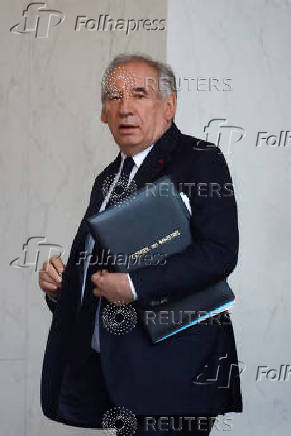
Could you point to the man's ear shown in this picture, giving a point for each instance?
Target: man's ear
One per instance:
(170, 107)
(103, 116)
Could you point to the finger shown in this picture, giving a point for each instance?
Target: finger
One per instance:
(49, 286)
(96, 277)
(45, 283)
(52, 273)
(45, 276)
(57, 262)
(97, 292)
(44, 279)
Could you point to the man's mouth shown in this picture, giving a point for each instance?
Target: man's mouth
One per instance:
(128, 128)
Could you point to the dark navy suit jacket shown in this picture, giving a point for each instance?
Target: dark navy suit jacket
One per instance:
(194, 372)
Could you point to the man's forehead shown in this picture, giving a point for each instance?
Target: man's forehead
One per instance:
(132, 74)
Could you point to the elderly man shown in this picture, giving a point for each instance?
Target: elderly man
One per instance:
(92, 377)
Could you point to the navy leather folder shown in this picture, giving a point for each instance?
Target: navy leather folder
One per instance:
(143, 229)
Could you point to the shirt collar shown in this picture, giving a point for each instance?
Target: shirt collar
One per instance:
(138, 157)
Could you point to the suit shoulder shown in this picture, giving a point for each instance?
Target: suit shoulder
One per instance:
(198, 149)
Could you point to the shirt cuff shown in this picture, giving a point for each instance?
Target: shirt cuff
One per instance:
(132, 287)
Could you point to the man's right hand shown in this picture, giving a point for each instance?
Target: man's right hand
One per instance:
(49, 279)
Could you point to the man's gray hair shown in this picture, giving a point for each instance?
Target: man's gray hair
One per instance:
(166, 77)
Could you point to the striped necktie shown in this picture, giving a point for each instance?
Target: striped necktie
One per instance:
(119, 190)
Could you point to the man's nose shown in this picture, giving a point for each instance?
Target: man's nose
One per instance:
(125, 106)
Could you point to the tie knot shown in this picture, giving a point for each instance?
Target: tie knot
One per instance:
(128, 164)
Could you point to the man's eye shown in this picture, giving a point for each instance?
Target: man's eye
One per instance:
(115, 97)
(139, 96)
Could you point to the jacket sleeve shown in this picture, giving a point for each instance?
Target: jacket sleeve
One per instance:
(51, 304)
(213, 253)
(76, 241)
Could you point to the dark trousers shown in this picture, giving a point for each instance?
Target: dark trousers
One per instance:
(86, 404)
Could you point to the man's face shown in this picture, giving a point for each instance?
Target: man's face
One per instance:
(133, 111)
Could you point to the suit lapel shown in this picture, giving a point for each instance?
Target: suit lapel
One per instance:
(155, 163)
(98, 193)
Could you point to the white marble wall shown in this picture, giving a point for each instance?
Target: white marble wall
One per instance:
(249, 43)
(52, 147)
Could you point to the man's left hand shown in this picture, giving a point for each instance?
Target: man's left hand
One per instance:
(114, 286)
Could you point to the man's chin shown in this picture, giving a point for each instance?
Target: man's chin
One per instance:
(128, 140)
